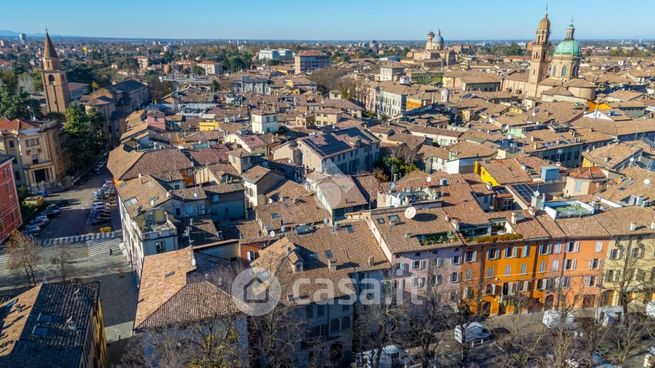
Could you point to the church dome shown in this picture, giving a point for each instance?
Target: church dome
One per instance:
(439, 39)
(569, 47)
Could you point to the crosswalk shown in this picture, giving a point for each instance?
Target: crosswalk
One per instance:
(81, 238)
(3, 260)
(102, 246)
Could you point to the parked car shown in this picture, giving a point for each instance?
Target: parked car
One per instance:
(650, 309)
(39, 222)
(43, 217)
(32, 229)
(609, 315)
(554, 319)
(100, 220)
(474, 332)
(52, 210)
(392, 356)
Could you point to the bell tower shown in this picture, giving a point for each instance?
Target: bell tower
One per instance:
(539, 60)
(54, 79)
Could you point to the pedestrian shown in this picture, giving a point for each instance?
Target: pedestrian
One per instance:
(111, 251)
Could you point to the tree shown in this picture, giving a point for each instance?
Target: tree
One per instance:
(15, 103)
(61, 258)
(85, 133)
(23, 254)
(428, 321)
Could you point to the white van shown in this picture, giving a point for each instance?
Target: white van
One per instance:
(650, 309)
(553, 319)
(474, 332)
(392, 357)
(609, 315)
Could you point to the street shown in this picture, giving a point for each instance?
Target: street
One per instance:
(74, 218)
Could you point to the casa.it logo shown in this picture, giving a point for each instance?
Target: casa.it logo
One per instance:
(256, 291)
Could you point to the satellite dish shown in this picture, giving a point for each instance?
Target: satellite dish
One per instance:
(429, 179)
(282, 228)
(646, 181)
(410, 212)
(271, 234)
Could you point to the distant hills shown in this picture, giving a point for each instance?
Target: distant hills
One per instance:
(6, 33)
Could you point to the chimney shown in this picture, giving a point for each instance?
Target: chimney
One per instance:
(633, 226)
(332, 264)
(652, 225)
(514, 218)
(371, 261)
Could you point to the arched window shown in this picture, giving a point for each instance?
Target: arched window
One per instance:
(51, 79)
(564, 71)
(345, 323)
(554, 70)
(334, 326)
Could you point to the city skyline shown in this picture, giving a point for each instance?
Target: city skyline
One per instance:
(363, 20)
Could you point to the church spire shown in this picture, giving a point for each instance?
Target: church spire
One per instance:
(48, 48)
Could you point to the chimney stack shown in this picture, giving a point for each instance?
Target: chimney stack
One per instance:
(332, 264)
(633, 226)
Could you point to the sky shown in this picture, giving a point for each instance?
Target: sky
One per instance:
(329, 19)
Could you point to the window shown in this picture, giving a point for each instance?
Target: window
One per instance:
(437, 262)
(590, 281)
(160, 247)
(436, 280)
(510, 252)
(635, 253)
(508, 270)
(565, 281)
(542, 266)
(490, 271)
(524, 269)
(492, 253)
(468, 274)
(544, 249)
(471, 256)
(615, 254)
(526, 251)
(564, 70)
(419, 282)
(457, 260)
(309, 311)
(345, 323)
(455, 277)
(558, 248)
(454, 295)
(595, 263)
(573, 247)
(555, 265)
(251, 255)
(418, 265)
(569, 264)
(320, 310)
(599, 246)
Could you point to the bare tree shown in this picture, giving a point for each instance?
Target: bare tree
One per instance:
(61, 259)
(427, 323)
(23, 255)
(378, 323)
(275, 336)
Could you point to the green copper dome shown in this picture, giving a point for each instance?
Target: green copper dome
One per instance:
(568, 47)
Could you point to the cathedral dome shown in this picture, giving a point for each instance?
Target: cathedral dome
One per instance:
(544, 23)
(569, 47)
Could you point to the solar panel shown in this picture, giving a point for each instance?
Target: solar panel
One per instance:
(524, 191)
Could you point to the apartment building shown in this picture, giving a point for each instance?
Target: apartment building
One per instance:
(307, 61)
(41, 159)
(10, 216)
(346, 151)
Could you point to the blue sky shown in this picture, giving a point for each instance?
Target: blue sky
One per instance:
(328, 19)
